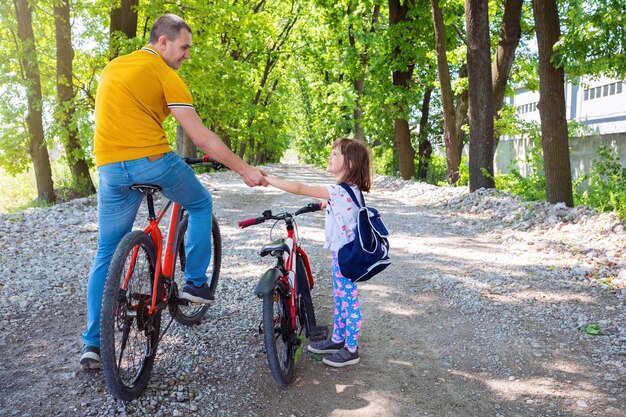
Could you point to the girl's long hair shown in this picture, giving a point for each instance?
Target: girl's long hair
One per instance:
(356, 159)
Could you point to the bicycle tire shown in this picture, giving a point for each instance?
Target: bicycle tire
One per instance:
(191, 314)
(129, 335)
(278, 335)
(307, 312)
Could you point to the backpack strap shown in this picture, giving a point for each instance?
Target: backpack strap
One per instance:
(349, 190)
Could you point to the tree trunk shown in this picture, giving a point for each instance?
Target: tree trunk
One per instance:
(425, 149)
(480, 95)
(359, 87)
(359, 82)
(406, 153)
(185, 148)
(510, 34)
(451, 135)
(65, 93)
(28, 60)
(461, 117)
(552, 106)
(124, 20)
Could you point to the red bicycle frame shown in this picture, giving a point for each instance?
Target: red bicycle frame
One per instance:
(292, 241)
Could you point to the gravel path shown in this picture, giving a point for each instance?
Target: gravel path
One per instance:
(483, 313)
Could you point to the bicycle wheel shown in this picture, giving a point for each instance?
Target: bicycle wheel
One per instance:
(307, 312)
(190, 313)
(280, 338)
(129, 335)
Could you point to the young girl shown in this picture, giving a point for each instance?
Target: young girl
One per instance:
(350, 163)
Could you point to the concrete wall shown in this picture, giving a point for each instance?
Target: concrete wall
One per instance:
(582, 152)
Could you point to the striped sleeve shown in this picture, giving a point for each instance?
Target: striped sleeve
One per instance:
(176, 93)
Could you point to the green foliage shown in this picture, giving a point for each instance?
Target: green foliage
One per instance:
(385, 162)
(463, 172)
(436, 172)
(593, 40)
(532, 186)
(18, 191)
(593, 329)
(604, 187)
(273, 74)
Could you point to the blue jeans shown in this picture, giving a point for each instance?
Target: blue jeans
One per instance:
(117, 209)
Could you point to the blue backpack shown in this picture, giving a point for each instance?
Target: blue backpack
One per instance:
(368, 253)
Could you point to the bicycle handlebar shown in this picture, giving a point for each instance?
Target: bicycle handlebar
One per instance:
(205, 160)
(267, 215)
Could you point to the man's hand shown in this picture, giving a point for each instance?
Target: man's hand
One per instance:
(254, 176)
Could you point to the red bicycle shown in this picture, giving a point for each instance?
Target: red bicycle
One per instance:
(285, 291)
(143, 279)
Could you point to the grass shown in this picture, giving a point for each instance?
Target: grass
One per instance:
(19, 192)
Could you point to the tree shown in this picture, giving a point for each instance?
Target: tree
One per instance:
(554, 139)
(401, 74)
(361, 52)
(480, 95)
(65, 95)
(266, 86)
(593, 41)
(425, 148)
(510, 35)
(452, 136)
(34, 119)
(123, 24)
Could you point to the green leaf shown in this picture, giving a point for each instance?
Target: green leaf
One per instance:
(593, 329)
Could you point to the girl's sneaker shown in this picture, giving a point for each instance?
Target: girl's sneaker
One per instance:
(327, 346)
(342, 357)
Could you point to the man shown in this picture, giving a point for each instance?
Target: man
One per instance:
(135, 95)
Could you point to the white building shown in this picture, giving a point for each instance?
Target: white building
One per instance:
(600, 104)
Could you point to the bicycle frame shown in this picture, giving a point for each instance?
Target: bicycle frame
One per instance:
(287, 266)
(288, 314)
(292, 242)
(164, 264)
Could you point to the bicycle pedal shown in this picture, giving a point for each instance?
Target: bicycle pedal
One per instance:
(318, 333)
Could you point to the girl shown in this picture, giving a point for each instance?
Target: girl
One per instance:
(350, 163)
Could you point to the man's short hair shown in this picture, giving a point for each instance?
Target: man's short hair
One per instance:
(169, 25)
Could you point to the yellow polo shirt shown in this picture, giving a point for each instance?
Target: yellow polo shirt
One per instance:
(134, 97)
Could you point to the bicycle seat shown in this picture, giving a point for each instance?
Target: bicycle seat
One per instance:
(146, 188)
(278, 245)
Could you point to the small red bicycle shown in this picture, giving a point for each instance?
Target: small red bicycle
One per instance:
(285, 291)
(143, 280)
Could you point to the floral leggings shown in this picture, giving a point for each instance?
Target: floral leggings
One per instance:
(347, 322)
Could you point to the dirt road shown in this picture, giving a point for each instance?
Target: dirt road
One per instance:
(474, 317)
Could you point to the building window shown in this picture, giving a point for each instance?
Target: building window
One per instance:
(603, 91)
(527, 108)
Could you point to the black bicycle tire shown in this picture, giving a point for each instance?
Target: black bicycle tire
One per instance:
(307, 311)
(282, 372)
(117, 386)
(176, 311)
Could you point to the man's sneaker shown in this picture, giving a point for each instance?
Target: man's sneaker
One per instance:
(327, 346)
(90, 359)
(342, 357)
(196, 294)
